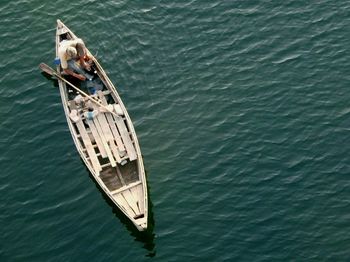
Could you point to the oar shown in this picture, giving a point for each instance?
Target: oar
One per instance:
(44, 67)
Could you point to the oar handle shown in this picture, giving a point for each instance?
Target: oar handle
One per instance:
(51, 71)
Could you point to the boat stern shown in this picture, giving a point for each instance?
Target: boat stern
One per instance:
(141, 223)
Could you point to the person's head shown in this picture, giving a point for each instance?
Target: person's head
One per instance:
(90, 109)
(71, 51)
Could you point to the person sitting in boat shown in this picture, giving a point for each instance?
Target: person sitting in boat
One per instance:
(73, 58)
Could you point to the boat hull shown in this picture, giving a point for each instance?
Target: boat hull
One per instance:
(101, 141)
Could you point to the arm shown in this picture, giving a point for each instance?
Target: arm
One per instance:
(70, 72)
(80, 46)
(84, 63)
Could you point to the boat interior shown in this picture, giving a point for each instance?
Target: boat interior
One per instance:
(104, 138)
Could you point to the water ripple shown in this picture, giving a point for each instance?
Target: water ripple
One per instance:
(241, 112)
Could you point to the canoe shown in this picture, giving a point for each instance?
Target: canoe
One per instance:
(106, 141)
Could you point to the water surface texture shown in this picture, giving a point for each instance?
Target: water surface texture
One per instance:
(241, 109)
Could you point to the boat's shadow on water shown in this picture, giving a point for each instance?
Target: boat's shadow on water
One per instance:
(145, 237)
(52, 79)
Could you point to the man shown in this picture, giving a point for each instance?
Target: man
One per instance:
(72, 54)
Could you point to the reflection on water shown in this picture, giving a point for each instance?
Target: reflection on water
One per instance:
(50, 78)
(145, 237)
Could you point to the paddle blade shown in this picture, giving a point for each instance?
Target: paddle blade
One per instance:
(45, 68)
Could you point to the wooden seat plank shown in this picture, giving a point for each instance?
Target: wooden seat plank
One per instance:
(97, 138)
(115, 150)
(104, 142)
(124, 204)
(89, 147)
(119, 190)
(117, 138)
(112, 125)
(105, 127)
(126, 138)
(130, 198)
(137, 192)
(107, 133)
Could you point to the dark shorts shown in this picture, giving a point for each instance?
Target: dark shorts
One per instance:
(75, 67)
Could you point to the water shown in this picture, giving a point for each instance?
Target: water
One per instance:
(241, 112)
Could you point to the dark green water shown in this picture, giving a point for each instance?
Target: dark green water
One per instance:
(241, 110)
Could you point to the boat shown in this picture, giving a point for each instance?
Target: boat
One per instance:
(107, 142)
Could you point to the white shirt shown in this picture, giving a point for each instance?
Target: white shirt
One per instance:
(64, 57)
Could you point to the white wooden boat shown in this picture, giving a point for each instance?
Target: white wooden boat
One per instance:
(107, 143)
